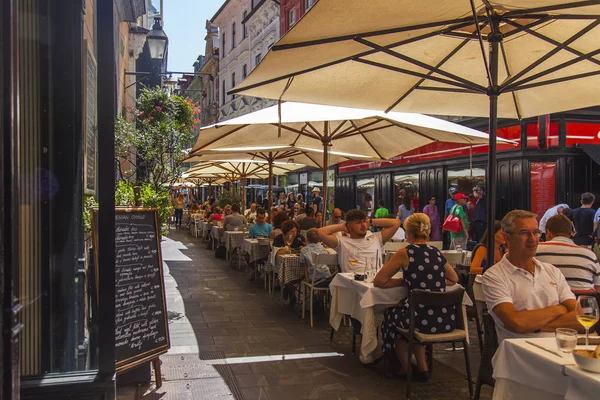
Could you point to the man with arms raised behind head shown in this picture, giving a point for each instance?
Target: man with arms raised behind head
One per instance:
(526, 297)
(354, 250)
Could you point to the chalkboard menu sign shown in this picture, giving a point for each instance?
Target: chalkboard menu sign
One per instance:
(141, 327)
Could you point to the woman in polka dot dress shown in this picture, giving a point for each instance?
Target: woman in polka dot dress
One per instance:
(423, 267)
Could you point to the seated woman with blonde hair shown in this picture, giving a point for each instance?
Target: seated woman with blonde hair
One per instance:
(423, 267)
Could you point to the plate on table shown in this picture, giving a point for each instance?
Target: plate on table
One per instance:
(588, 358)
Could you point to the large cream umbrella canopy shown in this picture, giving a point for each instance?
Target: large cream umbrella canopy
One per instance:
(336, 131)
(510, 58)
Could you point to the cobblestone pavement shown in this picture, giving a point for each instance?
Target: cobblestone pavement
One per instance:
(230, 339)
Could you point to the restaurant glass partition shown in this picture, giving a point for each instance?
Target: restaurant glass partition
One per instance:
(365, 192)
(406, 185)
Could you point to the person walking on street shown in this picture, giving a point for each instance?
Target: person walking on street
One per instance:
(431, 211)
(480, 218)
(583, 219)
(179, 206)
(317, 201)
(381, 212)
(459, 239)
(447, 207)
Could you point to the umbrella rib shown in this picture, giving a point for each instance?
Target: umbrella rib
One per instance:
(518, 13)
(405, 95)
(371, 145)
(296, 140)
(465, 22)
(306, 153)
(553, 81)
(220, 137)
(368, 34)
(550, 40)
(315, 130)
(296, 131)
(444, 89)
(514, 96)
(479, 38)
(413, 73)
(338, 128)
(470, 84)
(363, 129)
(522, 82)
(551, 53)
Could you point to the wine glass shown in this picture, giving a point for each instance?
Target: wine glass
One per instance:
(289, 239)
(587, 313)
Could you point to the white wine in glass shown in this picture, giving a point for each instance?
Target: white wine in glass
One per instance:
(587, 313)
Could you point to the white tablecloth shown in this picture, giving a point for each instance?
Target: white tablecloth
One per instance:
(217, 232)
(523, 371)
(365, 302)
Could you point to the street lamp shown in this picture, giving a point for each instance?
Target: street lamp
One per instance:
(157, 41)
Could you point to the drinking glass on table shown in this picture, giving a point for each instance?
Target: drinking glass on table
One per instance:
(566, 339)
(587, 313)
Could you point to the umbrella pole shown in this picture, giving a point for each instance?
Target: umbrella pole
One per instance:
(269, 194)
(494, 39)
(243, 195)
(325, 165)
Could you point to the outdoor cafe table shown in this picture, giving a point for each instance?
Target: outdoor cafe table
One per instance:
(216, 232)
(364, 302)
(233, 240)
(289, 268)
(523, 371)
(255, 251)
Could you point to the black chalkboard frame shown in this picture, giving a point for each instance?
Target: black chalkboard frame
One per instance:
(153, 354)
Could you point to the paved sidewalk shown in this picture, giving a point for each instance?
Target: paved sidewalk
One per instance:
(231, 339)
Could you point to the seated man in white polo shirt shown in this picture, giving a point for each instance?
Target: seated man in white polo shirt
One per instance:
(356, 249)
(527, 298)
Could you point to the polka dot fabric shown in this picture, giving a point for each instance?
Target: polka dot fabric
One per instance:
(425, 271)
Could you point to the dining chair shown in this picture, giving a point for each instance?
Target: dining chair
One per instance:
(318, 259)
(438, 300)
(490, 345)
(473, 311)
(392, 247)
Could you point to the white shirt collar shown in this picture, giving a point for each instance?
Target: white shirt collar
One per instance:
(513, 269)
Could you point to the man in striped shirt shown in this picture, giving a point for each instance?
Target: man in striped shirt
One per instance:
(579, 265)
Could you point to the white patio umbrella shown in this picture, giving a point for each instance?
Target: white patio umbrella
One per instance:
(504, 58)
(238, 170)
(283, 155)
(344, 133)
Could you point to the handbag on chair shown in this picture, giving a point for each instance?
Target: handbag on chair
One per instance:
(452, 223)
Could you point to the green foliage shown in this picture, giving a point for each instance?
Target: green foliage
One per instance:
(88, 203)
(160, 131)
(149, 198)
(160, 200)
(124, 194)
(226, 198)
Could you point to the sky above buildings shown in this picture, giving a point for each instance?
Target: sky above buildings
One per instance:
(185, 25)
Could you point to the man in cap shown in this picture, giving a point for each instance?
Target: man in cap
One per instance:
(317, 201)
(459, 239)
